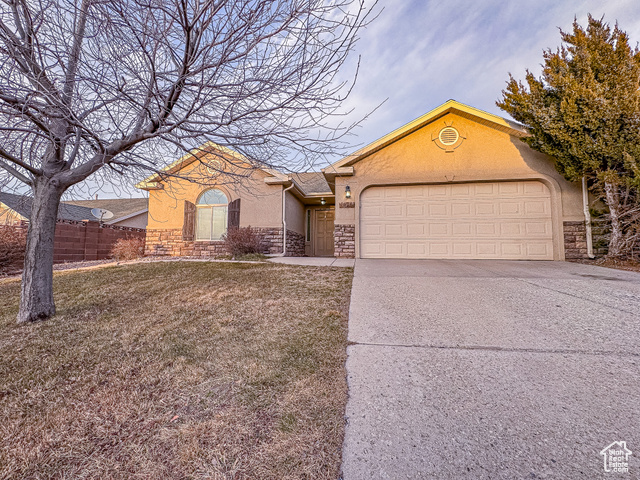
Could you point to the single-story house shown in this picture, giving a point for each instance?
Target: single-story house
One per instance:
(16, 209)
(127, 212)
(79, 235)
(456, 183)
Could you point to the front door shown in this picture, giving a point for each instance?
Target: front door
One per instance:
(324, 233)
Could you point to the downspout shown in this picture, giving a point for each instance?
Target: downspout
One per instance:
(587, 218)
(284, 222)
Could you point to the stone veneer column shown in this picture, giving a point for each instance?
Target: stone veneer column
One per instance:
(575, 240)
(344, 239)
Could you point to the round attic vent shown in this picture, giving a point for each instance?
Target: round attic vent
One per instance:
(214, 167)
(448, 136)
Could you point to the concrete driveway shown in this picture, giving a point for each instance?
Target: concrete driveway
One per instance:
(491, 369)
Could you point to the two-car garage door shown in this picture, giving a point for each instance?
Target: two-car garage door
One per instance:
(508, 220)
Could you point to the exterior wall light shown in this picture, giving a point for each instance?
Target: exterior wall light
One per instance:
(323, 201)
(347, 191)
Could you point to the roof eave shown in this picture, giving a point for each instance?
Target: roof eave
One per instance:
(277, 181)
(333, 171)
(150, 186)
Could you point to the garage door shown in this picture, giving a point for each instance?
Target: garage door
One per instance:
(510, 220)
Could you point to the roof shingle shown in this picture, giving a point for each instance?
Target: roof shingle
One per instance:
(120, 207)
(22, 205)
(312, 182)
(78, 209)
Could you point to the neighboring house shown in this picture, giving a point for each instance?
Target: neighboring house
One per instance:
(79, 236)
(127, 212)
(16, 209)
(455, 183)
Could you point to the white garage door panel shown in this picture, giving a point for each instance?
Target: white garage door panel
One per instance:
(510, 220)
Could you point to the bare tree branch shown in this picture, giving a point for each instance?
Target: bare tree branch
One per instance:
(130, 84)
(15, 173)
(20, 163)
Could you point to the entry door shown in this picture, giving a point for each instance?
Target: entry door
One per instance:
(324, 225)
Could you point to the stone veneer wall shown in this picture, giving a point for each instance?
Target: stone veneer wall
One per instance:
(168, 242)
(295, 244)
(344, 238)
(575, 239)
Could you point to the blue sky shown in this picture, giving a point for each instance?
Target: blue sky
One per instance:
(420, 53)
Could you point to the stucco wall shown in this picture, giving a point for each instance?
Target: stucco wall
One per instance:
(485, 154)
(295, 214)
(9, 217)
(260, 205)
(138, 221)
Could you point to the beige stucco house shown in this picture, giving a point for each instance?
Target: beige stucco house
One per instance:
(455, 183)
(127, 212)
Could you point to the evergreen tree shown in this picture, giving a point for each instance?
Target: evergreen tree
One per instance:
(584, 111)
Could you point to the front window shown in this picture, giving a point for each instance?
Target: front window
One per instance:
(211, 219)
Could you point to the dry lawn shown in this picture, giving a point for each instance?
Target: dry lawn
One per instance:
(176, 371)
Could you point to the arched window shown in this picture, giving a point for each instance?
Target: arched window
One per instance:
(211, 220)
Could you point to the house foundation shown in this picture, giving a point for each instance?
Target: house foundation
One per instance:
(170, 242)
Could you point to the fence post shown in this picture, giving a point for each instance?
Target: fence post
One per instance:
(91, 240)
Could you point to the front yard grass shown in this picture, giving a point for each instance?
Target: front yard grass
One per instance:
(178, 370)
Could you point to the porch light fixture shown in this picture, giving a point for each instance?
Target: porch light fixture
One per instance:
(323, 201)
(347, 191)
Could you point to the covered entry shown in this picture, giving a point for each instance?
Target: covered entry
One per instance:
(497, 220)
(320, 225)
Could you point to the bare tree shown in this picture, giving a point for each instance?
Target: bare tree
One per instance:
(104, 87)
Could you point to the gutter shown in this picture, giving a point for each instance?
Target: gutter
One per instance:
(284, 222)
(587, 218)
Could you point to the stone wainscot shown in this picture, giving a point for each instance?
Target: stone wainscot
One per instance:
(170, 242)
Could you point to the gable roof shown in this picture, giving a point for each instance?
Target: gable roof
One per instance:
(450, 106)
(120, 207)
(21, 204)
(153, 182)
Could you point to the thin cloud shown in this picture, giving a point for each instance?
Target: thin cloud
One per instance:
(420, 54)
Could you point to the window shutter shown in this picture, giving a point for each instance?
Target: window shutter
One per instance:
(234, 214)
(189, 225)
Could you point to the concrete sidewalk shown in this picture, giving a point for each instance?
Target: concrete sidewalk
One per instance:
(491, 369)
(314, 261)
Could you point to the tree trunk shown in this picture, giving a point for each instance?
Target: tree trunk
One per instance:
(613, 202)
(36, 301)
